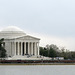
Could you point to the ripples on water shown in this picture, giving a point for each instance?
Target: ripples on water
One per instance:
(38, 70)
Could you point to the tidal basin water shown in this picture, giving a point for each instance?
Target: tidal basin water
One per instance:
(37, 70)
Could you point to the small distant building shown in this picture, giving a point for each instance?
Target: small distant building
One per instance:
(18, 44)
(59, 58)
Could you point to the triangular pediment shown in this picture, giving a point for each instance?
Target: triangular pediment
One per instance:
(28, 38)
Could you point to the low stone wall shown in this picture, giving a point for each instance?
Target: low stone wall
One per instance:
(37, 61)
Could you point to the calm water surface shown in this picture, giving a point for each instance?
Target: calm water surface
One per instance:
(38, 70)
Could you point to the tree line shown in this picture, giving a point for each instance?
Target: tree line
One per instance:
(54, 51)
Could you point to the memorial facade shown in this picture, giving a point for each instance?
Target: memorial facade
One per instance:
(18, 43)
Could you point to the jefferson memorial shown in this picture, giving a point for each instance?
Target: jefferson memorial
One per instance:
(18, 44)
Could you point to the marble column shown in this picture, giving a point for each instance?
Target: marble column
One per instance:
(24, 48)
(35, 48)
(18, 48)
(21, 48)
(38, 48)
(15, 48)
(31, 48)
(11, 48)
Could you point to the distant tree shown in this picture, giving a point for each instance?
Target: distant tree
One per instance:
(72, 55)
(65, 53)
(2, 50)
(49, 51)
(41, 50)
(53, 50)
(52, 53)
(54, 47)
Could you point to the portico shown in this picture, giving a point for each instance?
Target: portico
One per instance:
(26, 48)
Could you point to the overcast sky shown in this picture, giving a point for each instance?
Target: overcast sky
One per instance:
(53, 21)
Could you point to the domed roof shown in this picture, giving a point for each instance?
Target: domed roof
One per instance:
(12, 31)
(12, 28)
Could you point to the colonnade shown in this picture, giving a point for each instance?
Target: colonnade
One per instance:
(26, 48)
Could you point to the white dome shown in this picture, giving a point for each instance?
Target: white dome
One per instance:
(11, 31)
(12, 28)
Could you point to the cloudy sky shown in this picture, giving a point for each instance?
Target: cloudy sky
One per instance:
(53, 21)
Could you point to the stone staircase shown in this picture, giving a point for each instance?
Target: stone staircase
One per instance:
(27, 57)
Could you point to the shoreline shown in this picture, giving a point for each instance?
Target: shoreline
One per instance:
(37, 64)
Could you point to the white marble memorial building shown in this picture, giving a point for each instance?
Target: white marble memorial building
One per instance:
(17, 43)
